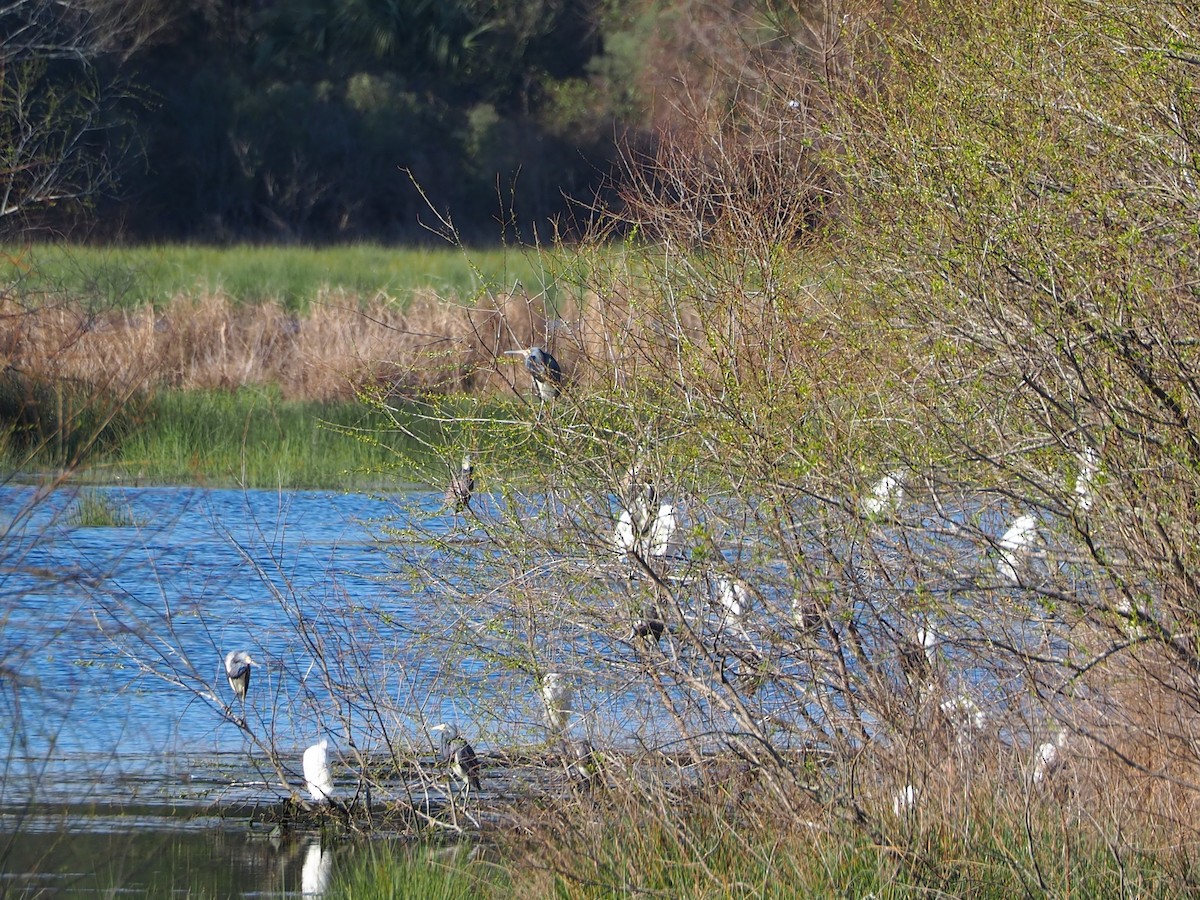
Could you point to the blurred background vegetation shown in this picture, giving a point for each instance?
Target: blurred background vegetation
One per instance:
(316, 120)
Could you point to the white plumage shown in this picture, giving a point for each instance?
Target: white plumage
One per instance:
(1015, 545)
(1085, 482)
(557, 694)
(1048, 758)
(887, 494)
(318, 780)
(735, 599)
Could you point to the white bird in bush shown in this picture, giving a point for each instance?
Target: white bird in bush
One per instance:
(1015, 545)
(886, 496)
(237, 670)
(558, 695)
(736, 600)
(461, 756)
(660, 541)
(1085, 481)
(317, 777)
(1049, 757)
(543, 369)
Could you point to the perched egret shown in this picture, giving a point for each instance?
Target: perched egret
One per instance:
(662, 533)
(557, 694)
(1085, 481)
(237, 670)
(1049, 757)
(736, 599)
(461, 756)
(964, 714)
(543, 369)
(462, 485)
(904, 800)
(887, 494)
(316, 772)
(1015, 546)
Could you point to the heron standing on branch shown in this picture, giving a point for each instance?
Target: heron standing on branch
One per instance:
(461, 755)
(237, 670)
(543, 369)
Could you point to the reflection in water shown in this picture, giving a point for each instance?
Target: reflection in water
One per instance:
(314, 878)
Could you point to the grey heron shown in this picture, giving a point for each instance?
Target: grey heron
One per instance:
(318, 780)
(1015, 545)
(237, 670)
(544, 369)
(461, 755)
(558, 695)
(462, 485)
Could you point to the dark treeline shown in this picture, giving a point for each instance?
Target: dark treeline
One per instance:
(319, 120)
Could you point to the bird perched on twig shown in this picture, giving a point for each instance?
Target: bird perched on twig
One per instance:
(317, 778)
(462, 485)
(461, 756)
(557, 694)
(649, 625)
(237, 670)
(544, 369)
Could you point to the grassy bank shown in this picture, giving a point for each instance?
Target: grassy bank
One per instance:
(294, 277)
(247, 437)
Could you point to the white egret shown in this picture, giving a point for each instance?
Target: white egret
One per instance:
(1049, 757)
(462, 485)
(1015, 545)
(964, 714)
(237, 670)
(318, 780)
(659, 540)
(887, 495)
(557, 694)
(736, 599)
(461, 755)
(543, 369)
(1085, 481)
(904, 800)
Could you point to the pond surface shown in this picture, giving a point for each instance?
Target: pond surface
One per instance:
(110, 764)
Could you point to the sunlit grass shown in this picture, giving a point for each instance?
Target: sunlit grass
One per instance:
(130, 277)
(389, 871)
(95, 509)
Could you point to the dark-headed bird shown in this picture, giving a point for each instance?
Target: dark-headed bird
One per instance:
(543, 369)
(461, 756)
(462, 485)
(237, 670)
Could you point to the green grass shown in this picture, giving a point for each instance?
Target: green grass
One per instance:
(93, 509)
(130, 277)
(389, 871)
(253, 438)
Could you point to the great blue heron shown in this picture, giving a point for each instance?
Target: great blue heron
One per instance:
(237, 670)
(557, 694)
(1049, 757)
(461, 755)
(1015, 545)
(886, 496)
(317, 778)
(462, 485)
(544, 369)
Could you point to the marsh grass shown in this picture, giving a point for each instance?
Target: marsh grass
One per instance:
(384, 872)
(293, 277)
(95, 509)
(256, 439)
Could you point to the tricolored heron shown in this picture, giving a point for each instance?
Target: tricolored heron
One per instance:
(237, 670)
(461, 755)
(544, 369)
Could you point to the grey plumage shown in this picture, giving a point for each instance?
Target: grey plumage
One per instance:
(462, 486)
(237, 670)
(543, 369)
